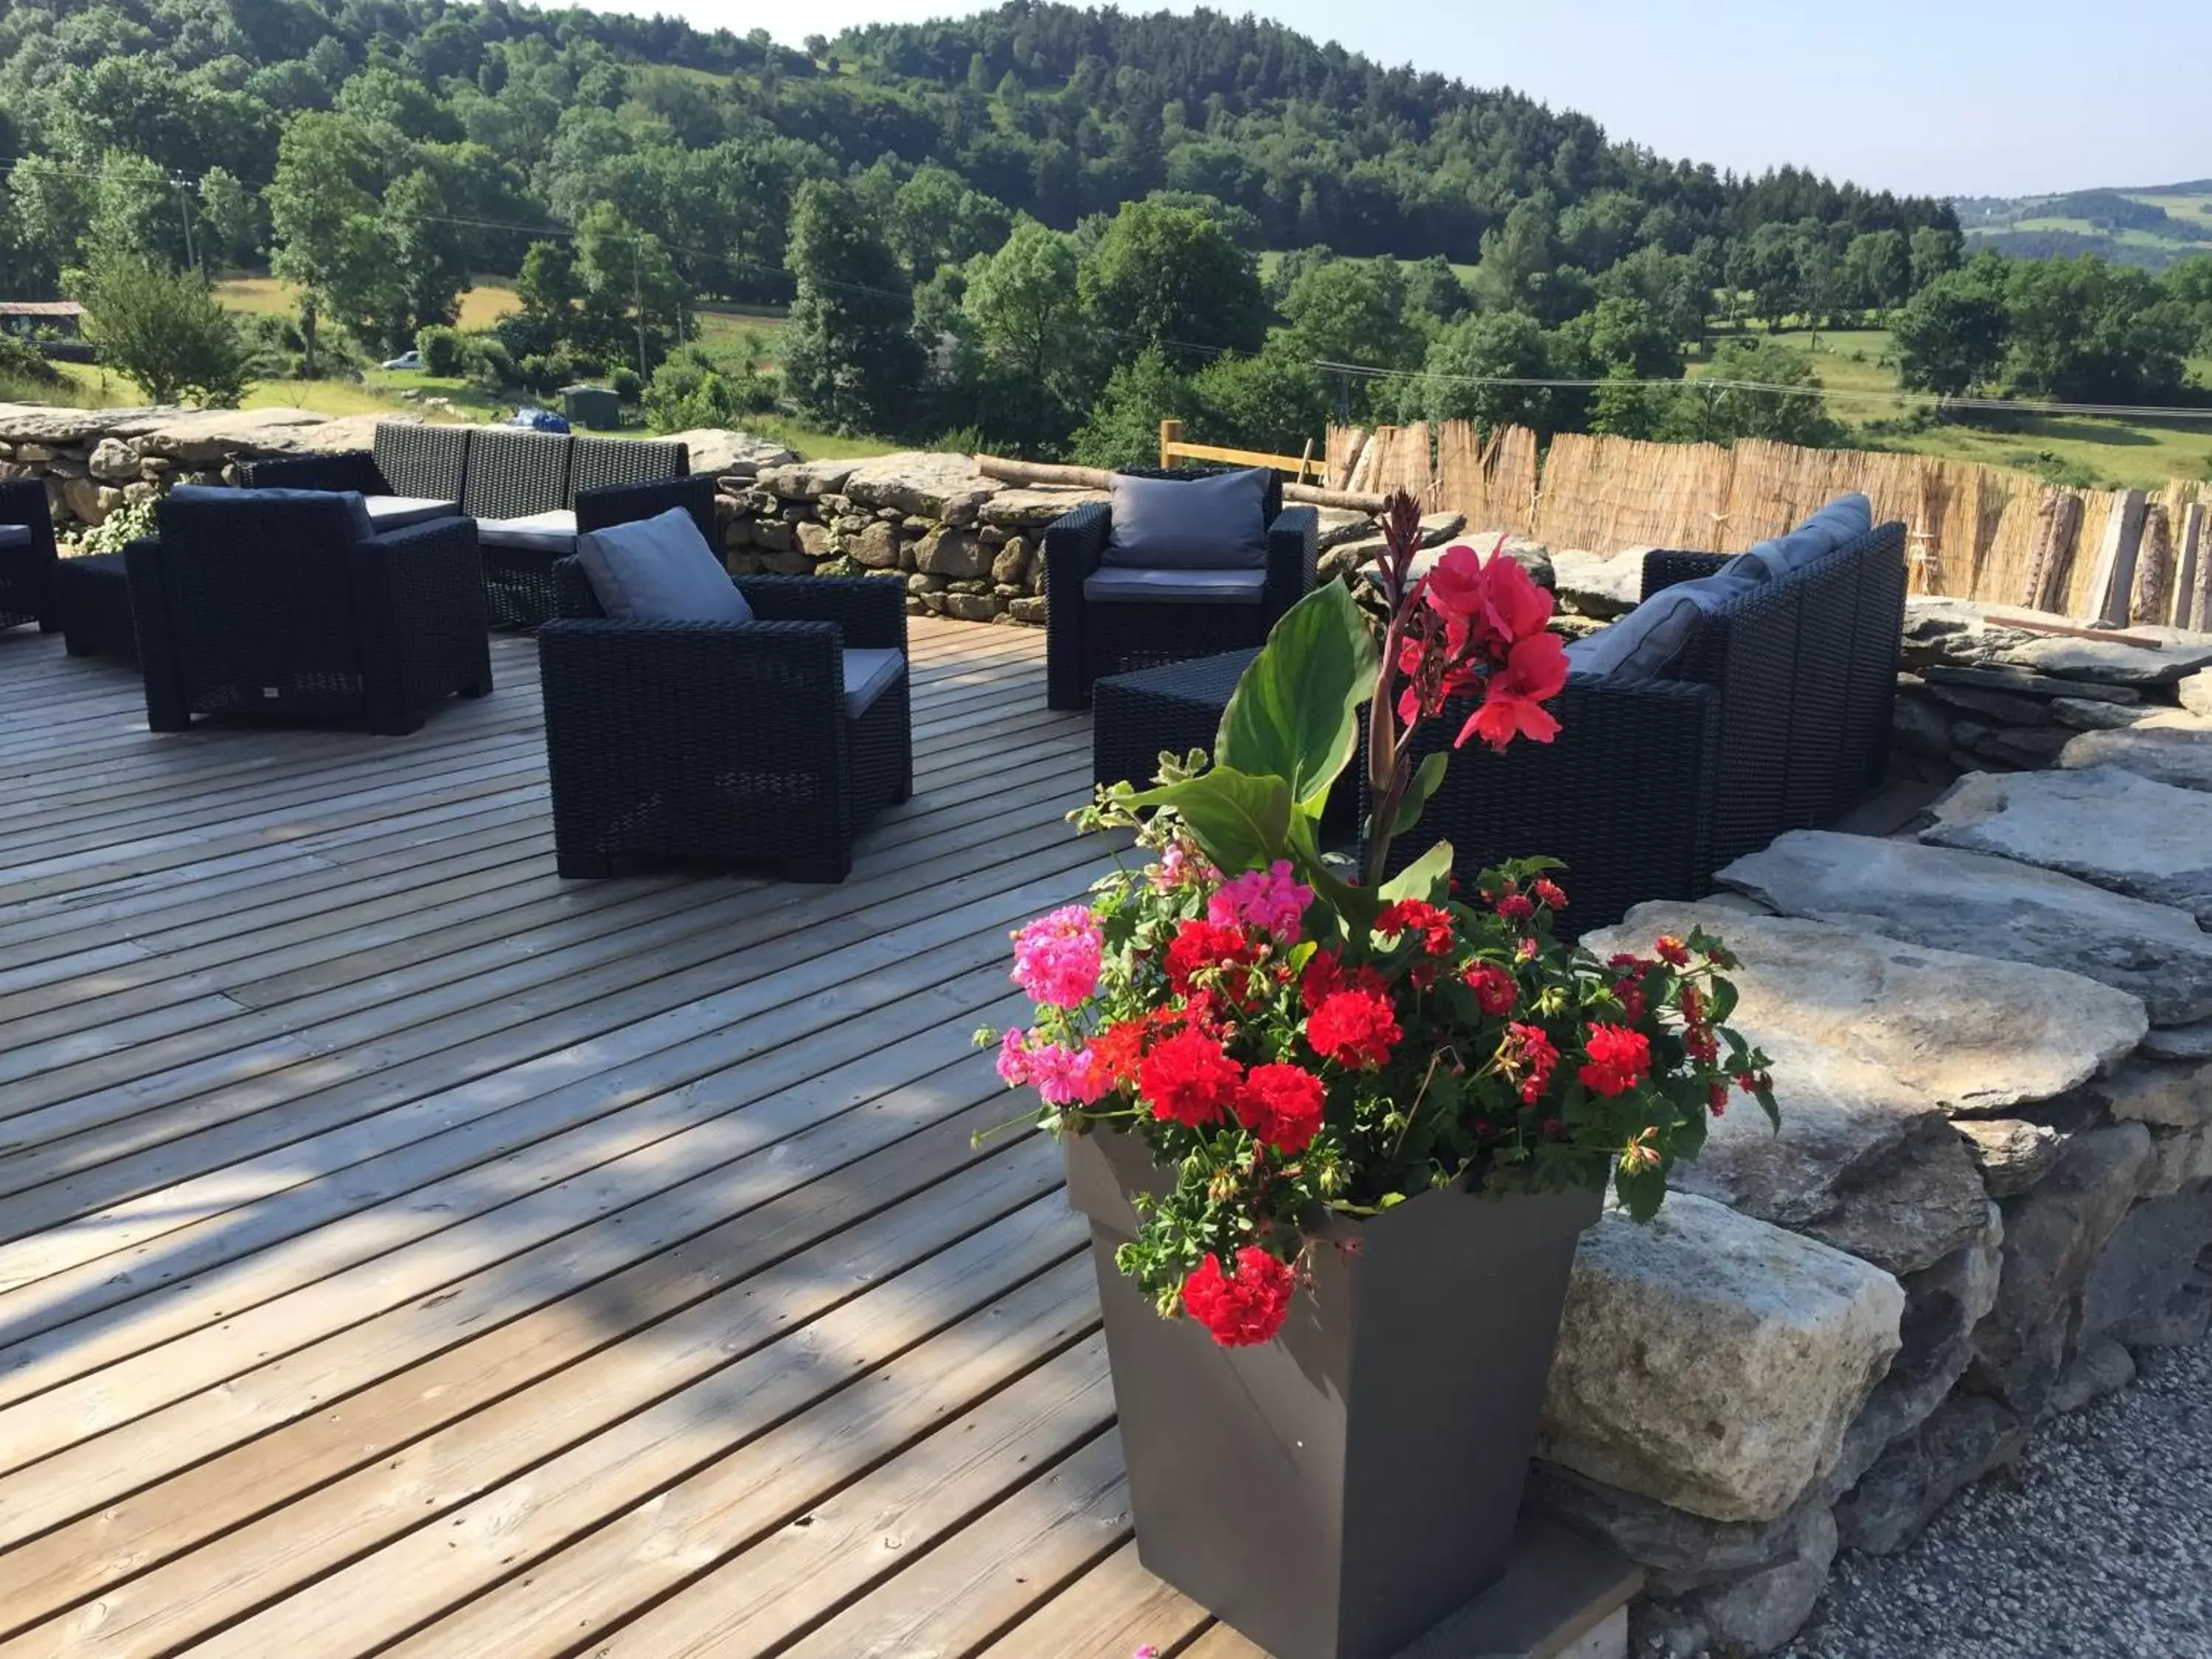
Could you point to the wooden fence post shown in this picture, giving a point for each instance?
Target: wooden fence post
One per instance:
(2150, 596)
(1170, 439)
(2111, 580)
(2192, 599)
(2051, 562)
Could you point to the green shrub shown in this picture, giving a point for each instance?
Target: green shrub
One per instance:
(133, 521)
(441, 348)
(487, 362)
(22, 364)
(626, 384)
(166, 330)
(690, 389)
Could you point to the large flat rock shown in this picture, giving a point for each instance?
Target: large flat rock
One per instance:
(1983, 905)
(2105, 824)
(1713, 1362)
(2173, 748)
(1875, 1044)
(2115, 662)
(732, 454)
(211, 434)
(947, 487)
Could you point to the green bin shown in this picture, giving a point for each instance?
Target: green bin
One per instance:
(591, 405)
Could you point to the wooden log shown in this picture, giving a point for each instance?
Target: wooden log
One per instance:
(2112, 578)
(2150, 595)
(1170, 437)
(2192, 571)
(2051, 562)
(1093, 477)
(1042, 472)
(1352, 500)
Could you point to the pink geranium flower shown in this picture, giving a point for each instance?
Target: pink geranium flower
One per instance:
(1272, 899)
(1056, 956)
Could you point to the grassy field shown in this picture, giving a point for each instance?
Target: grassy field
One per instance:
(2070, 449)
(481, 306)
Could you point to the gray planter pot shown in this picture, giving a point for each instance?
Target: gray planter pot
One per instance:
(1335, 1493)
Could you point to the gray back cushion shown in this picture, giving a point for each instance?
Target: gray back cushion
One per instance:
(1219, 522)
(1841, 521)
(660, 570)
(1645, 643)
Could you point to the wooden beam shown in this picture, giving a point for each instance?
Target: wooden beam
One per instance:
(2192, 566)
(2112, 579)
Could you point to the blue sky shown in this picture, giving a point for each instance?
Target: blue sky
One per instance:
(1949, 97)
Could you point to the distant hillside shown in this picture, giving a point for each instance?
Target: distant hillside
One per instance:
(2152, 227)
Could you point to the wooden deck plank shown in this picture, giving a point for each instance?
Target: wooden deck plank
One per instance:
(400, 1245)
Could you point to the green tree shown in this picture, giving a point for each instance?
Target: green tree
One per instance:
(1518, 257)
(1950, 337)
(1023, 304)
(326, 235)
(1353, 311)
(1123, 428)
(165, 329)
(1171, 278)
(229, 221)
(1936, 249)
(2188, 283)
(1470, 371)
(431, 253)
(2086, 331)
(1770, 265)
(1877, 270)
(1624, 334)
(1434, 291)
(631, 301)
(1758, 389)
(1273, 401)
(135, 209)
(850, 358)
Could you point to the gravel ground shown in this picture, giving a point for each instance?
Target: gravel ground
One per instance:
(2099, 1543)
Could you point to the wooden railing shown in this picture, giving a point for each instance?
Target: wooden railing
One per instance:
(1173, 449)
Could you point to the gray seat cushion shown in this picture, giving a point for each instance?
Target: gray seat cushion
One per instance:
(1841, 521)
(14, 535)
(1189, 524)
(1131, 584)
(553, 533)
(660, 570)
(397, 512)
(355, 504)
(869, 672)
(1645, 643)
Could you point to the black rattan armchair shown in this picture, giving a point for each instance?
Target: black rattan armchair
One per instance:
(26, 556)
(1085, 641)
(1776, 717)
(728, 741)
(272, 607)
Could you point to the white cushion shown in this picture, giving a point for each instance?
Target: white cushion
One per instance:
(397, 512)
(1643, 644)
(660, 570)
(869, 672)
(1148, 586)
(14, 535)
(1844, 520)
(553, 533)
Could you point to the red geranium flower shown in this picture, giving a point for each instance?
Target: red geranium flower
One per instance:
(1630, 995)
(1495, 990)
(1619, 1058)
(1189, 1080)
(1244, 1309)
(1549, 894)
(1282, 1105)
(1433, 922)
(1516, 906)
(1325, 975)
(1202, 947)
(1672, 950)
(1527, 1054)
(1353, 1028)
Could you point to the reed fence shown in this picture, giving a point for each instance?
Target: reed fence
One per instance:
(1974, 531)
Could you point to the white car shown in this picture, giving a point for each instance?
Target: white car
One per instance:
(404, 360)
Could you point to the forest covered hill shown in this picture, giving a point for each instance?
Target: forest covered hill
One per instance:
(2153, 226)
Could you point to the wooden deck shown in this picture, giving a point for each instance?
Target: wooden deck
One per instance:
(402, 1250)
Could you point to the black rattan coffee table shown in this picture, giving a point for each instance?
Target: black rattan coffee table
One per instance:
(1177, 706)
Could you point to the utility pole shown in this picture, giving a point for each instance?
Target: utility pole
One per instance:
(637, 296)
(184, 213)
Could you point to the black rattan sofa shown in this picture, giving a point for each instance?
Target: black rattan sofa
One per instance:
(26, 556)
(1775, 717)
(277, 607)
(737, 743)
(529, 492)
(1086, 639)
